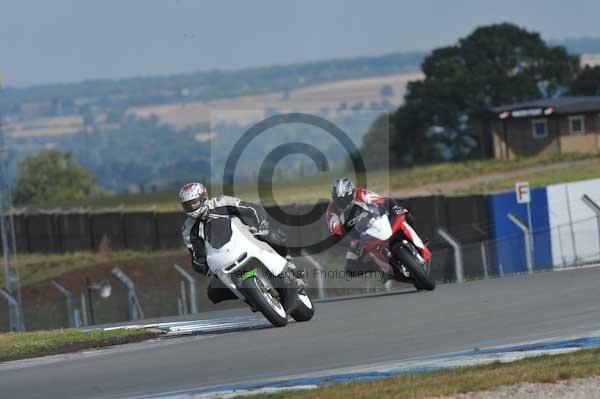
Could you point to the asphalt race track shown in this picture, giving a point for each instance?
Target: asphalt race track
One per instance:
(343, 333)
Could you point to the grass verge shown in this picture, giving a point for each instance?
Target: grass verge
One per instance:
(14, 346)
(542, 369)
(570, 174)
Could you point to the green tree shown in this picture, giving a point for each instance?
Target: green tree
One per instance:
(494, 65)
(375, 143)
(587, 83)
(53, 177)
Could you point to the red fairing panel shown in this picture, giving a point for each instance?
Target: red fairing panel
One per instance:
(401, 225)
(363, 196)
(333, 220)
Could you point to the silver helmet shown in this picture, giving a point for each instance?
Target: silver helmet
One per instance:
(342, 193)
(194, 200)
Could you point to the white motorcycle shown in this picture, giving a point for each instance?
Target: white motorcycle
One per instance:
(254, 272)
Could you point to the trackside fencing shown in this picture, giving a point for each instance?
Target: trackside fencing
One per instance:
(480, 241)
(555, 248)
(180, 290)
(88, 231)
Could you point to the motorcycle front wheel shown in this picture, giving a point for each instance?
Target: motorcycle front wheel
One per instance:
(422, 280)
(264, 297)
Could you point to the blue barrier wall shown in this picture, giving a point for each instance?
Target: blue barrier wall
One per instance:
(510, 247)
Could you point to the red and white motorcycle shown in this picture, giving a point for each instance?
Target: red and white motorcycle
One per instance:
(392, 244)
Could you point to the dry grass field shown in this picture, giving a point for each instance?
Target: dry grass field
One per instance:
(56, 126)
(472, 177)
(317, 97)
(250, 108)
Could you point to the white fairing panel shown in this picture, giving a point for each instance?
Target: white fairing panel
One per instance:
(242, 241)
(380, 228)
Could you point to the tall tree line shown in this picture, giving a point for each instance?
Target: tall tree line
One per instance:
(494, 65)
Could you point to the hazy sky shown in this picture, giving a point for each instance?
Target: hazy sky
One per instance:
(47, 41)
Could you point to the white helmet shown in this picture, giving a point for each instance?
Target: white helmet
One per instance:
(342, 193)
(194, 200)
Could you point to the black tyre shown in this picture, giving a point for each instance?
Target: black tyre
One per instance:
(265, 300)
(305, 309)
(419, 274)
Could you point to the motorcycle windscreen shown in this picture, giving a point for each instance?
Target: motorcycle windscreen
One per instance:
(218, 232)
(380, 228)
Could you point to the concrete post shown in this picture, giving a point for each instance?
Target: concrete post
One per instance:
(526, 238)
(179, 307)
(77, 317)
(318, 275)
(484, 260)
(13, 304)
(84, 310)
(133, 304)
(69, 298)
(388, 285)
(192, 284)
(458, 258)
(183, 297)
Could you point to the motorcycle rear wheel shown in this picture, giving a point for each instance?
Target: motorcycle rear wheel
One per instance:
(305, 309)
(422, 279)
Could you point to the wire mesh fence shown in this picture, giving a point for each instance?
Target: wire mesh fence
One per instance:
(562, 246)
(164, 292)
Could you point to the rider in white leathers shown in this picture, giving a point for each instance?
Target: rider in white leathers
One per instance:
(199, 208)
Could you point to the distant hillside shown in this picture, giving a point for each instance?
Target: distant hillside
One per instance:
(382, 92)
(101, 95)
(154, 132)
(161, 145)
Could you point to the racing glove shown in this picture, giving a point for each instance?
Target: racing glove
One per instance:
(264, 226)
(200, 266)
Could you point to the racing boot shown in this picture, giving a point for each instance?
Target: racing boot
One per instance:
(297, 275)
(252, 308)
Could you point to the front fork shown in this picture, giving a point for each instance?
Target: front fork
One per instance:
(413, 251)
(295, 274)
(294, 281)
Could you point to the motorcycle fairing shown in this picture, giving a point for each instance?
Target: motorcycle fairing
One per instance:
(380, 228)
(241, 247)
